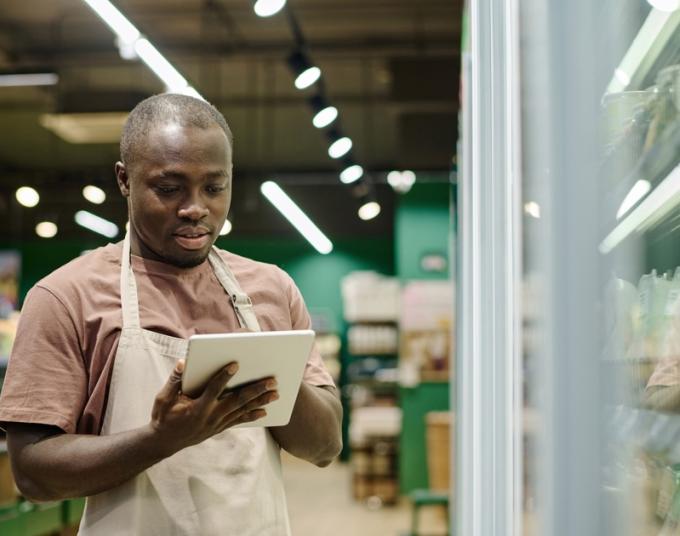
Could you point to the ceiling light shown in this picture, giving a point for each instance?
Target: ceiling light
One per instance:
(27, 196)
(305, 73)
(637, 192)
(46, 229)
(101, 127)
(94, 194)
(533, 209)
(96, 224)
(369, 210)
(28, 79)
(170, 76)
(325, 117)
(267, 8)
(665, 5)
(340, 147)
(351, 173)
(401, 181)
(190, 91)
(122, 27)
(307, 77)
(286, 206)
(226, 228)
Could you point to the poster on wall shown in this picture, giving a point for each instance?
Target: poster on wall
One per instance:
(10, 268)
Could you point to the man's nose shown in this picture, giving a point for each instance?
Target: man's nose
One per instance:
(193, 209)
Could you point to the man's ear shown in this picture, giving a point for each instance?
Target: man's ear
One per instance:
(122, 178)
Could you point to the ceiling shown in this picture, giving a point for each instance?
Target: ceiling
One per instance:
(389, 66)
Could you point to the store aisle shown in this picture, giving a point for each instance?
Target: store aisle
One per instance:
(320, 502)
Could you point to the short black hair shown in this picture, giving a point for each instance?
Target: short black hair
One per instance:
(168, 108)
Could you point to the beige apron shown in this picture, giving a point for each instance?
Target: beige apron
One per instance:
(230, 484)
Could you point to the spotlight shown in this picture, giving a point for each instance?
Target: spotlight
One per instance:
(401, 181)
(226, 228)
(305, 73)
(340, 147)
(351, 173)
(94, 194)
(369, 210)
(46, 229)
(267, 8)
(324, 114)
(27, 196)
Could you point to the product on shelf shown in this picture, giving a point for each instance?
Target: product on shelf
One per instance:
(370, 297)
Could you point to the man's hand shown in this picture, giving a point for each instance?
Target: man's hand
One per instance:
(181, 421)
(50, 465)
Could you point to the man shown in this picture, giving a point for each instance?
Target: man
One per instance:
(92, 402)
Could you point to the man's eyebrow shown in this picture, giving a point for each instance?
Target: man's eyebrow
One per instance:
(173, 174)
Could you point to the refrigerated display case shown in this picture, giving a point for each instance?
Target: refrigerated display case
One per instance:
(568, 383)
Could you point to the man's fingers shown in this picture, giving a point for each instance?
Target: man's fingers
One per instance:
(218, 382)
(248, 416)
(174, 383)
(230, 407)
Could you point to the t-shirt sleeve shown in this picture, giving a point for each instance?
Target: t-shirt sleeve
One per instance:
(46, 379)
(315, 370)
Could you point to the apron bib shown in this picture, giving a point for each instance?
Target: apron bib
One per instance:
(230, 484)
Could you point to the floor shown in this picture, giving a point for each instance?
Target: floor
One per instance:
(320, 502)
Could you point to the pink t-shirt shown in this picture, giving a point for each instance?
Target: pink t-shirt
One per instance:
(61, 362)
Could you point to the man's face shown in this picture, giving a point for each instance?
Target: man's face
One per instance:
(179, 190)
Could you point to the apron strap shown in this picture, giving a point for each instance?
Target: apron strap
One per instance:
(240, 300)
(128, 289)
(130, 300)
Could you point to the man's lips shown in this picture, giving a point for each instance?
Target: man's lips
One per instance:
(192, 238)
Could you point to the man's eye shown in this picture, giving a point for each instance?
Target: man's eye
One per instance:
(215, 189)
(166, 190)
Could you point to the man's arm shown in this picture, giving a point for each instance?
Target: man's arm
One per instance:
(51, 465)
(314, 431)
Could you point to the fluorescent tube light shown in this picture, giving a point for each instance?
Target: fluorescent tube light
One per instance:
(163, 69)
(286, 206)
(28, 79)
(94, 194)
(665, 5)
(123, 28)
(369, 210)
(27, 196)
(351, 173)
(267, 8)
(340, 147)
(325, 117)
(650, 210)
(190, 91)
(46, 229)
(637, 192)
(226, 228)
(96, 224)
(642, 44)
(100, 127)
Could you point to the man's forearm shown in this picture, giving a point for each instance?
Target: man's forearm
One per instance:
(314, 431)
(70, 465)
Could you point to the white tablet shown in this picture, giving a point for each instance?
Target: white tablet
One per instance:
(282, 354)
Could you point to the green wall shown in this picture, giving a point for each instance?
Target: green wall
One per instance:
(423, 225)
(318, 276)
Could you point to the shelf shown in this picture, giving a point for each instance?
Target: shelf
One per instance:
(660, 166)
